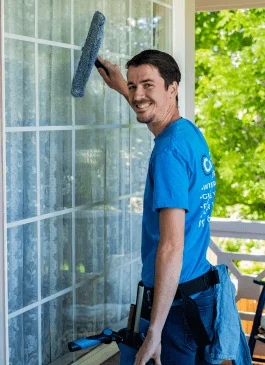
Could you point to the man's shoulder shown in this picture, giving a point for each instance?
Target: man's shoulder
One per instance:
(185, 141)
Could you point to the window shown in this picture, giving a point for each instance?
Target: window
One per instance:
(75, 173)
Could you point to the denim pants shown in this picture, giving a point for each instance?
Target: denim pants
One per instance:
(178, 346)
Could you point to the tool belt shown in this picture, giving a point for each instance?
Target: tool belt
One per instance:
(190, 308)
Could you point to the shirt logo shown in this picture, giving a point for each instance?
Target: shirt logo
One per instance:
(207, 165)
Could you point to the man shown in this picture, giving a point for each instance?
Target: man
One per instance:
(178, 202)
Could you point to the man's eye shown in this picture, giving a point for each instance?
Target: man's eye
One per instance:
(147, 85)
(131, 87)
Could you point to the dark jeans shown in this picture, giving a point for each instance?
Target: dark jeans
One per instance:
(178, 346)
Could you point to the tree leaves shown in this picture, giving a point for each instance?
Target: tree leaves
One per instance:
(230, 100)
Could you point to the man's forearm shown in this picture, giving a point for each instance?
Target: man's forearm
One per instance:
(167, 274)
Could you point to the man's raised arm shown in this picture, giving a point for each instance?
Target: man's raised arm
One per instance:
(115, 79)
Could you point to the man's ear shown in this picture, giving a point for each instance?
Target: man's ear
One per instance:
(174, 89)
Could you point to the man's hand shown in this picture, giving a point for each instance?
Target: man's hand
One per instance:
(151, 348)
(168, 268)
(115, 79)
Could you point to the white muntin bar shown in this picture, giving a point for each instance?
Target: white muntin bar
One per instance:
(73, 180)
(71, 127)
(67, 211)
(38, 179)
(55, 296)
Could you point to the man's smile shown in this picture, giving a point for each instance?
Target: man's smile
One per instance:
(142, 107)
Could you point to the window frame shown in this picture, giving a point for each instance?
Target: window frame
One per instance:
(3, 267)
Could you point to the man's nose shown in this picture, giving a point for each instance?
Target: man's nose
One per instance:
(139, 93)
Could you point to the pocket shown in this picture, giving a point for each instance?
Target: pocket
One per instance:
(206, 303)
(205, 299)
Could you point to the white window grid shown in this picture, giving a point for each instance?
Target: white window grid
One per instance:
(37, 129)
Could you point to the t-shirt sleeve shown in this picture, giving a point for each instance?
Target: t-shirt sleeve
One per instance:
(171, 181)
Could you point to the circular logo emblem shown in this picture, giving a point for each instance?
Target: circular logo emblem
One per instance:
(206, 165)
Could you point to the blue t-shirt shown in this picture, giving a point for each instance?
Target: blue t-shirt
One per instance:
(180, 175)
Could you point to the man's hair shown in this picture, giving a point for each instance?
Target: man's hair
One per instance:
(166, 65)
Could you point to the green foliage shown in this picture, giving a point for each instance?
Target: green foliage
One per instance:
(230, 106)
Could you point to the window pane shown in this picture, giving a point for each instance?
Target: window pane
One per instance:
(57, 327)
(117, 31)
(125, 107)
(23, 338)
(113, 100)
(136, 211)
(141, 25)
(162, 19)
(136, 277)
(141, 147)
(118, 297)
(90, 108)
(89, 230)
(83, 14)
(21, 181)
(20, 17)
(118, 233)
(56, 254)
(90, 166)
(22, 259)
(55, 170)
(54, 20)
(20, 98)
(90, 308)
(118, 163)
(55, 86)
(124, 162)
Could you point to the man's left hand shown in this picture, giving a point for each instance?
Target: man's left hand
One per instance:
(151, 348)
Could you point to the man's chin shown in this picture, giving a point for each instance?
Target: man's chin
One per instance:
(145, 120)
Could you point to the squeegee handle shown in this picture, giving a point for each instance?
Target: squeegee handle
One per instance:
(98, 64)
(82, 344)
(85, 342)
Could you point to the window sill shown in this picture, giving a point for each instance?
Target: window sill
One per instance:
(99, 355)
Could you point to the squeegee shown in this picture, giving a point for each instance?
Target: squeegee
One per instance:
(89, 55)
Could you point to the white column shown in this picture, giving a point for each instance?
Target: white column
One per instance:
(184, 53)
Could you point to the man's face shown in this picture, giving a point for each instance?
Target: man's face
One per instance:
(147, 94)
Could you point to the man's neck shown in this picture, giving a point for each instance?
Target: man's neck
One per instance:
(157, 127)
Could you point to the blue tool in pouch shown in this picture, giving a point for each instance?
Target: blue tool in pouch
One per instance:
(129, 339)
(128, 343)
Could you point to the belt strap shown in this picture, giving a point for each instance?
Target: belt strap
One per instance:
(198, 284)
(190, 287)
(190, 308)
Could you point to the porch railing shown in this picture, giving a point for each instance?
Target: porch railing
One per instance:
(247, 292)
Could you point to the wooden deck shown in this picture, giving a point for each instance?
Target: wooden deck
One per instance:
(115, 361)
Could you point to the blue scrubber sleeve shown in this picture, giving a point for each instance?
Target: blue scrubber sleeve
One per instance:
(89, 54)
